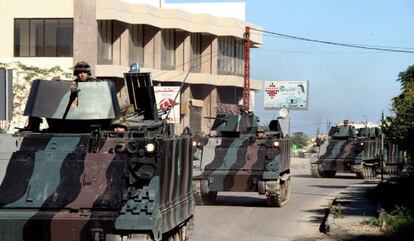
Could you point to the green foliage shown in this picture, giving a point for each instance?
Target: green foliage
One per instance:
(400, 127)
(336, 210)
(372, 221)
(300, 139)
(397, 223)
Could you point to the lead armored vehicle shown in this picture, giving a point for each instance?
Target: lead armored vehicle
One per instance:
(355, 150)
(235, 158)
(79, 180)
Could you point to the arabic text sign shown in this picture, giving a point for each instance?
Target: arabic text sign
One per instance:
(292, 95)
(165, 95)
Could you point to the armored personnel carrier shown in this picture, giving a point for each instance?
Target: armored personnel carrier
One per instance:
(236, 159)
(355, 150)
(79, 179)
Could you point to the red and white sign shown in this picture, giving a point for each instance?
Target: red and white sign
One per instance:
(165, 96)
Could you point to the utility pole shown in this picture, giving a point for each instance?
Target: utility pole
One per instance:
(382, 148)
(246, 85)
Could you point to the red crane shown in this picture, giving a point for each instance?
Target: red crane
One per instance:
(246, 85)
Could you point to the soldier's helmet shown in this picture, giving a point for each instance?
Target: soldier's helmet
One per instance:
(120, 122)
(82, 66)
(260, 130)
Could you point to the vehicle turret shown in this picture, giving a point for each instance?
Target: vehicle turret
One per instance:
(342, 132)
(95, 105)
(235, 124)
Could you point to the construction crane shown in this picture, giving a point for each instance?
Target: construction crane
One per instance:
(246, 85)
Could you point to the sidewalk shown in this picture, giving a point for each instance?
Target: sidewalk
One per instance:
(348, 210)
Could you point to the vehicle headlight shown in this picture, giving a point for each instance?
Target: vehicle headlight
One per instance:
(199, 144)
(361, 143)
(150, 147)
(275, 143)
(194, 143)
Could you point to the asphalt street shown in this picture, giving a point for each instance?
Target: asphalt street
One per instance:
(245, 217)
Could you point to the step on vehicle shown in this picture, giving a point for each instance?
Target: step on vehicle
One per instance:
(85, 179)
(239, 158)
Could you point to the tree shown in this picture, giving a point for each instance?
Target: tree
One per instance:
(400, 127)
(300, 139)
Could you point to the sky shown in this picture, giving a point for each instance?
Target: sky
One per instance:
(344, 83)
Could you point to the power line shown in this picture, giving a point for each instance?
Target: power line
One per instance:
(360, 46)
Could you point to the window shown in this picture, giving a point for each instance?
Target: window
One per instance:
(168, 49)
(43, 37)
(239, 57)
(196, 59)
(136, 44)
(105, 41)
(230, 56)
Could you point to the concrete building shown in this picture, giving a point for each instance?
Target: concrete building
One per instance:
(201, 43)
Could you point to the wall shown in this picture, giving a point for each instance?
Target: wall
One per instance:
(218, 9)
(28, 9)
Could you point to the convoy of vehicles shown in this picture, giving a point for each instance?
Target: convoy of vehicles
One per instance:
(355, 149)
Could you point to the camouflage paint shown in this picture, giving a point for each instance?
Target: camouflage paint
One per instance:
(351, 150)
(57, 193)
(236, 164)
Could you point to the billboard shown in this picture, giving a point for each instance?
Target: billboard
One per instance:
(291, 94)
(165, 95)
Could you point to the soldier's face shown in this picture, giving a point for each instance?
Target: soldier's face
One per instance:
(83, 76)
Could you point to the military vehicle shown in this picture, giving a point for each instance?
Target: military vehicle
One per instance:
(234, 158)
(352, 149)
(78, 179)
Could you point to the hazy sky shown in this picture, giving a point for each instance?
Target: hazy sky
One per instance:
(344, 83)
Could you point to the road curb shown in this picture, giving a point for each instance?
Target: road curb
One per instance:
(328, 225)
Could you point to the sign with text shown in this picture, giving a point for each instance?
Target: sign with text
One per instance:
(291, 95)
(165, 95)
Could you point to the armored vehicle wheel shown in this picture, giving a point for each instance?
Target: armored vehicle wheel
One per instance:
(278, 192)
(138, 237)
(182, 233)
(392, 169)
(200, 198)
(207, 199)
(365, 171)
(317, 173)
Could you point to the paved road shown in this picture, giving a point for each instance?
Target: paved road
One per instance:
(245, 217)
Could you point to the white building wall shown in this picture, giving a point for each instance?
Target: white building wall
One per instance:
(154, 3)
(218, 9)
(9, 10)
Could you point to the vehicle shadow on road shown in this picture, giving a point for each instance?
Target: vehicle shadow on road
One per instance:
(330, 186)
(240, 201)
(336, 177)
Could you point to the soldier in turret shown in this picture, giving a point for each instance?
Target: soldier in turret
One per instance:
(83, 73)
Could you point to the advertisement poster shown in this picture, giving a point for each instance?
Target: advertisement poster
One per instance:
(292, 95)
(165, 95)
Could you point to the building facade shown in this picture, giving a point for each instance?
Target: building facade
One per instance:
(198, 43)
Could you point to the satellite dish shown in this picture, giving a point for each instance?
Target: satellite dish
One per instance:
(283, 113)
